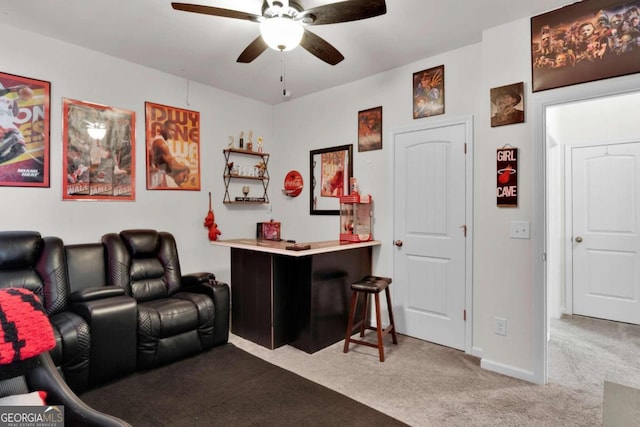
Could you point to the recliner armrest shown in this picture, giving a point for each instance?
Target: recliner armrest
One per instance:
(192, 279)
(99, 292)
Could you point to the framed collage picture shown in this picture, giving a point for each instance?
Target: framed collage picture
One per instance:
(173, 148)
(98, 152)
(24, 131)
(585, 41)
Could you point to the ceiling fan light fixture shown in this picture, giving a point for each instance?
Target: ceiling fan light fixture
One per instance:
(281, 33)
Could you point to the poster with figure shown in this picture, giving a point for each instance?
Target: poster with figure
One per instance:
(585, 41)
(428, 92)
(98, 152)
(507, 104)
(370, 129)
(24, 131)
(173, 148)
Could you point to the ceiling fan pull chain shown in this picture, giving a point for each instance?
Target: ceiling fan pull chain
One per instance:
(283, 74)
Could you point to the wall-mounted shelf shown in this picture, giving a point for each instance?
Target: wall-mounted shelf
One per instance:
(229, 176)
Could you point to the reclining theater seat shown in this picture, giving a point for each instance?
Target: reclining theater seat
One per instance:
(177, 316)
(29, 261)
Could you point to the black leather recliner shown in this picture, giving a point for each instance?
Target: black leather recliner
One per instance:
(27, 260)
(177, 315)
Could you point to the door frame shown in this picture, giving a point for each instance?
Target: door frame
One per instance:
(542, 101)
(467, 121)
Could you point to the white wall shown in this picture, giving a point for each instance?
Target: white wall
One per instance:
(85, 75)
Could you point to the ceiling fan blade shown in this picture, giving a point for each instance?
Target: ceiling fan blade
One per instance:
(321, 48)
(252, 51)
(345, 11)
(215, 11)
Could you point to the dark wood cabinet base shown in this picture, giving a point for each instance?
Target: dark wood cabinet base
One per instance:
(302, 301)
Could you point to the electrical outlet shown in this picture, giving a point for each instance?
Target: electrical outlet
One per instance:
(519, 230)
(500, 326)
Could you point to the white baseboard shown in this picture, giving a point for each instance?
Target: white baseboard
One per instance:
(509, 371)
(477, 352)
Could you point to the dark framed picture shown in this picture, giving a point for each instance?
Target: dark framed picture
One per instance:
(331, 169)
(370, 129)
(585, 41)
(173, 148)
(428, 92)
(507, 104)
(24, 131)
(98, 152)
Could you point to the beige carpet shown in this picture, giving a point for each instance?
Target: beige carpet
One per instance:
(423, 384)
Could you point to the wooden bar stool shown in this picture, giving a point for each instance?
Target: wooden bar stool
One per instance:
(367, 286)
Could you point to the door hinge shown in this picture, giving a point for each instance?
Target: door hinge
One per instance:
(465, 148)
(464, 229)
(464, 315)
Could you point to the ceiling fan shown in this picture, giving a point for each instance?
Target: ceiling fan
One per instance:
(283, 24)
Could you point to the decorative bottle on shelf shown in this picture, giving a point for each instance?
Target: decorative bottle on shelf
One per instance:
(250, 142)
(260, 144)
(241, 142)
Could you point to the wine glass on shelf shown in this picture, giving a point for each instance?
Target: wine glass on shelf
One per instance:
(245, 190)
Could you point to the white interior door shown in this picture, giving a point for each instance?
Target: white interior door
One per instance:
(429, 221)
(606, 231)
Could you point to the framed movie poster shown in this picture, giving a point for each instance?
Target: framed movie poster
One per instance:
(331, 169)
(24, 131)
(173, 148)
(428, 92)
(585, 41)
(370, 129)
(98, 152)
(507, 104)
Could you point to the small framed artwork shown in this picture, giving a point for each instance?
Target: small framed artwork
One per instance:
(507, 104)
(370, 129)
(98, 152)
(331, 169)
(24, 131)
(585, 41)
(428, 92)
(173, 148)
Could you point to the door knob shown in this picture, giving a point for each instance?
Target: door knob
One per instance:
(398, 243)
(578, 239)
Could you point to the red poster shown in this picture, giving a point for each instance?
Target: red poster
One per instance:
(98, 152)
(173, 148)
(24, 131)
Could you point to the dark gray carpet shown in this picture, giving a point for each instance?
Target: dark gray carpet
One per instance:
(229, 387)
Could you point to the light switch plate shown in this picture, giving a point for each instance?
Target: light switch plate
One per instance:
(520, 230)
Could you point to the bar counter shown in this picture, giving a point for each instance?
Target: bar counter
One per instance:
(297, 297)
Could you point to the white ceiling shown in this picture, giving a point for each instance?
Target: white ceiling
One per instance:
(204, 48)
